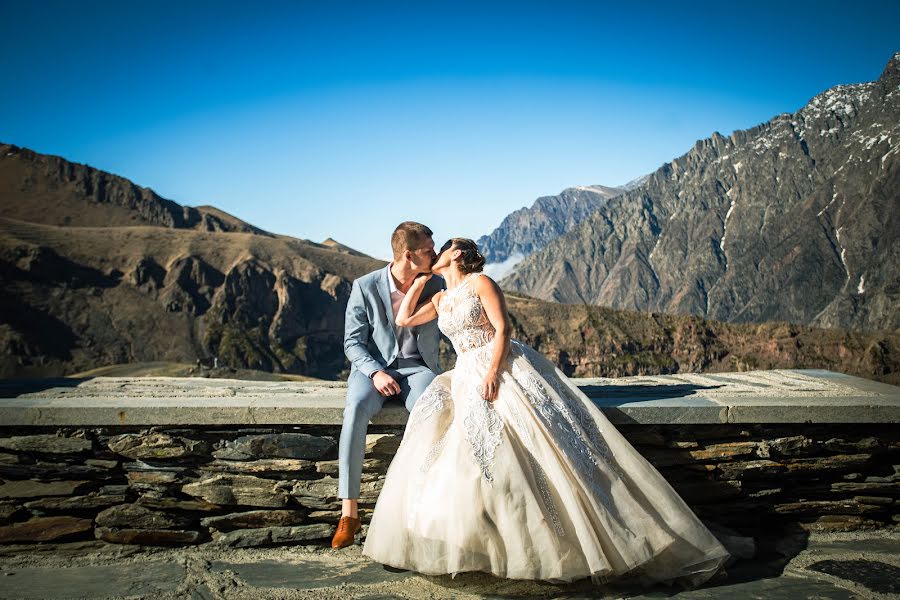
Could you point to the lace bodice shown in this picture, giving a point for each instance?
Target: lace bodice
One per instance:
(461, 317)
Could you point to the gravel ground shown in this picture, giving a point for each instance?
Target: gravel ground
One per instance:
(837, 565)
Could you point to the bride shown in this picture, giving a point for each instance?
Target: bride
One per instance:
(506, 467)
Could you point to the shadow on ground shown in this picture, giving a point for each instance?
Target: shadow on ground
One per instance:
(773, 555)
(643, 392)
(12, 388)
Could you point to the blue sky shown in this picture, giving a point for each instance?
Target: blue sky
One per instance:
(338, 119)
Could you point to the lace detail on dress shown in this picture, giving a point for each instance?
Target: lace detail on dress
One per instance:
(434, 452)
(483, 427)
(461, 317)
(575, 412)
(433, 401)
(539, 475)
(429, 404)
(557, 414)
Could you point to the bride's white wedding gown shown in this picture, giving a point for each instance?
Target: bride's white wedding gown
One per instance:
(534, 485)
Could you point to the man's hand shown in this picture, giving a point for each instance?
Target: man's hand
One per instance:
(385, 384)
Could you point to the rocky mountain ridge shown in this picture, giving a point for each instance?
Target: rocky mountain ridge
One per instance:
(795, 220)
(40, 188)
(529, 229)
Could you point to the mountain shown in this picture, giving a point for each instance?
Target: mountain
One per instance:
(98, 271)
(529, 229)
(40, 188)
(796, 219)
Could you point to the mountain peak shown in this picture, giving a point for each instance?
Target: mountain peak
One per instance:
(336, 245)
(531, 228)
(891, 73)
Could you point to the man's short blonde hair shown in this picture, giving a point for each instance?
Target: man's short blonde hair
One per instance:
(409, 235)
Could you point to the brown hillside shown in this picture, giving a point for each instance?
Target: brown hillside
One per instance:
(76, 298)
(593, 341)
(40, 188)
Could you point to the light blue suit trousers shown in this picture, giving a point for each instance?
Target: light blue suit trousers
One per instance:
(371, 345)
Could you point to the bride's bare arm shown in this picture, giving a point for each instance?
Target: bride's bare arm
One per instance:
(424, 312)
(495, 307)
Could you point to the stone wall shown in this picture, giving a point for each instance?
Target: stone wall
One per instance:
(277, 484)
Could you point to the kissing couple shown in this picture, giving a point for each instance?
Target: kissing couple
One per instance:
(505, 466)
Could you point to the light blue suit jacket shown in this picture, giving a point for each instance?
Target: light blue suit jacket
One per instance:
(369, 340)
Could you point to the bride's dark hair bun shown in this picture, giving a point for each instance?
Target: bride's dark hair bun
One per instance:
(471, 260)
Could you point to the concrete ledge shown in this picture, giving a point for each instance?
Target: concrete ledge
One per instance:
(778, 396)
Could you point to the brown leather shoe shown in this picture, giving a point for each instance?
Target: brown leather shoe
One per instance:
(346, 530)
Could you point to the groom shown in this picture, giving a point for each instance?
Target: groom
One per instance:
(386, 361)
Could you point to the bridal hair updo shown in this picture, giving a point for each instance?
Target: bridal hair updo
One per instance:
(471, 260)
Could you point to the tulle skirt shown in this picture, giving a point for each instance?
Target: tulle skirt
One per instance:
(534, 485)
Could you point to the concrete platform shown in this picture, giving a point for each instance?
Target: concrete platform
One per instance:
(834, 566)
(776, 396)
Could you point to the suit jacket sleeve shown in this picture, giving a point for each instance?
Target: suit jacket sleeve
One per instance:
(356, 334)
